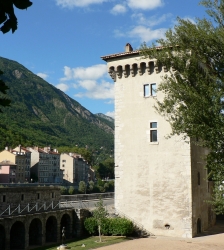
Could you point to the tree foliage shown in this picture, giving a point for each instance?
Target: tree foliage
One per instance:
(8, 18)
(100, 214)
(194, 87)
(4, 101)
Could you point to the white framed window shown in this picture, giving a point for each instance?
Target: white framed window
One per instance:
(153, 132)
(149, 89)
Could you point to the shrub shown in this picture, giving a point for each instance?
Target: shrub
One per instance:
(110, 226)
(63, 190)
(91, 225)
(121, 226)
(71, 190)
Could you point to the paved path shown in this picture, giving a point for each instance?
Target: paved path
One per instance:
(213, 239)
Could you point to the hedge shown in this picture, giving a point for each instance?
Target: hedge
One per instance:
(110, 226)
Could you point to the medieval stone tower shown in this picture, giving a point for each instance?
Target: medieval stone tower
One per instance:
(160, 183)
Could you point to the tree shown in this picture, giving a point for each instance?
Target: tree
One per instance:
(8, 21)
(100, 214)
(4, 101)
(7, 16)
(194, 88)
(82, 187)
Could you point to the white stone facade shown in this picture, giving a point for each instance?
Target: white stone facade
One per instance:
(160, 183)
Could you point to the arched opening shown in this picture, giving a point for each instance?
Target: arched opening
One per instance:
(17, 236)
(198, 226)
(127, 69)
(143, 67)
(35, 233)
(2, 237)
(51, 229)
(134, 69)
(66, 222)
(151, 67)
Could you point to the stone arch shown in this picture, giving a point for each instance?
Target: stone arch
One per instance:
(143, 68)
(17, 236)
(127, 70)
(134, 69)
(35, 232)
(66, 222)
(51, 229)
(198, 226)
(2, 237)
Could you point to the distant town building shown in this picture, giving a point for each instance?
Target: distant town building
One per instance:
(28, 161)
(7, 172)
(75, 168)
(45, 165)
(19, 160)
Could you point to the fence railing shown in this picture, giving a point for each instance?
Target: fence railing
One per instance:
(87, 196)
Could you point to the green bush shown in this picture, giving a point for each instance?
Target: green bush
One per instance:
(63, 190)
(121, 226)
(110, 226)
(71, 190)
(91, 225)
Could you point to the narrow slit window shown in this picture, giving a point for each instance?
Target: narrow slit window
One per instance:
(153, 132)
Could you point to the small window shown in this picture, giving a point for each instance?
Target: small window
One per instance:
(150, 90)
(63, 160)
(38, 196)
(22, 197)
(146, 90)
(153, 132)
(153, 89)
(4, 198)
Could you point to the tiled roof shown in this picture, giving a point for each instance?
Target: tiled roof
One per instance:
(134, 52)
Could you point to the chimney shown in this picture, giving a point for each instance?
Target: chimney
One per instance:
(7, 148)
(19, 148)
(128, 47)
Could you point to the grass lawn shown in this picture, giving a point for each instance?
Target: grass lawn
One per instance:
(90, 243)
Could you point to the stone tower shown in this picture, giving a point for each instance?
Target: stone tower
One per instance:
(160, 183)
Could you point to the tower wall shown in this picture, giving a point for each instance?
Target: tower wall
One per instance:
(154, 181)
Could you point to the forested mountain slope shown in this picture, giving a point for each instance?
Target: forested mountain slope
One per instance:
(41, 114)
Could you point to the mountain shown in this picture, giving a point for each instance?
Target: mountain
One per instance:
(106, 119)
(41, 114)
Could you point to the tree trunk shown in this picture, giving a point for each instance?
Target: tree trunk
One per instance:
(99, 233)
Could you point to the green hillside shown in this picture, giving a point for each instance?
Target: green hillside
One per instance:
(41, 114)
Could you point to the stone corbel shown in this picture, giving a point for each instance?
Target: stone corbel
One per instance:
(112, 74)
(156, 67)
(124, 71)
(132, 71)
(139, 69)
(148, 68)
(119, 72)
(165, 68)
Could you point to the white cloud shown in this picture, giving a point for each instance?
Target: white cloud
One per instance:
(144, 4)
(94, 90)
(62, 86)
(93, 72)
(67, 73)
(118, 9)
(152, 20)
(111, 114)
(42, 75)
(146, 34)
(77, 3)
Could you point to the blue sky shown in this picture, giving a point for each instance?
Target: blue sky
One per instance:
(62, 40)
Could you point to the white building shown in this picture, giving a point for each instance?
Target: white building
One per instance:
(160, 183)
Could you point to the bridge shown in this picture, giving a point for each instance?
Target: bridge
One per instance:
(34, 216)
